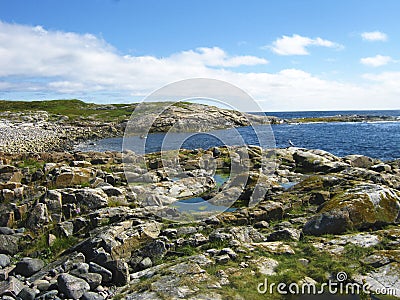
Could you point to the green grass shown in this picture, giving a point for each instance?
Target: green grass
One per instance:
(39, 246)
(74, 109)
(32, 164)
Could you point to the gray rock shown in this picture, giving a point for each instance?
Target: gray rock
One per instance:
(12, 285)
(145, 263)
(38, 217)
(6, 230)
(222, 259)
(154, 250)
(27, 294)
(9, 244)
(363, 206)
(318, 198)
(50, 295)
(376, 260)
(381, 168)
(285, 234)
(232, 254)
(383, 278)
(92, 198)
(80, 268)
(112, 191)
(120, 272)
(28, 266)
(105, 273)
(359, 161)
(92, 296)
(261, 224)
(94, 279)
(246, 234)
(73, 287)
(4, 260)
(334, 222)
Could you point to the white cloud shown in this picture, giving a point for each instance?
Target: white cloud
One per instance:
(374, 36)
(376, 61)
(36, 61)
(297, 45)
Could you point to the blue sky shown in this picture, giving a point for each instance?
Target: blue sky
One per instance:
(288, 55)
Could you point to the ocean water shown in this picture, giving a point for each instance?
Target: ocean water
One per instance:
(374, 139)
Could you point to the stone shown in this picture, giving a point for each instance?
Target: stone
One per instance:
(73, 287)
(112, 191)
(381, 168)
(11, 286)
(232, 254)
(359, 161)
(64, 229)
(73, 176)
(93, 279)
(120, 272)
(286, 234)
(52, 199)
(363, 240)
(317, 198)
(92, 198)
(28, 266)
(6, 230)
(376, 260)
(145, 263)
(222, 259)
(4, 260)
(266, 265)
(267, 211)
(155, 249)
(92, 296)
(9, 244)
(42, 285)
(106, 274)
(27, 294)
(333, 222)
(275, 247)
(38, 217)
(382, 279)
(361, 207)
(304, 261)
(246, 234)
(261, 225)
(5, 272)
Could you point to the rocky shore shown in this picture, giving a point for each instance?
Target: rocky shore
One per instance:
(76, 226)
(40, 130)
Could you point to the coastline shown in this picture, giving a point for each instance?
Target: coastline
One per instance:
(127, 225)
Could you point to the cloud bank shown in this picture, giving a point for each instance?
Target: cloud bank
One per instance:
(36, 61)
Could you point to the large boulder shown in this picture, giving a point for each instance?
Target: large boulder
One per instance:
(28, 266)
(317, 161)
(361, 207)
(359, 161)
(71, 286)
(52, 199)
(74, 176)
(9, 244)
(38, 217)
(91, 198)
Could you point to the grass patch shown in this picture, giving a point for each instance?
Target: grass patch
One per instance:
(41, 248)
(32, 164)
(74, 109)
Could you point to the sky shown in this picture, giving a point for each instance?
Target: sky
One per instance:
(288, 55)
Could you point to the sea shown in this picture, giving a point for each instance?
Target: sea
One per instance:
(379, 140)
